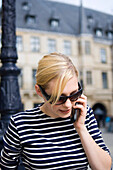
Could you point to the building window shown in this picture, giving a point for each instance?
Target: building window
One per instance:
(54, 23)
(79, 48)
(89, 77)
(26, 6)
(99, 33)
(35, 44)
(110, 35)
(103, 55)
(87, 47)
(104, 80)
(90, 19)
(20, 79)
(51, 45)
(67, 47)
(34, 76)
(19, 43)
(31, 19)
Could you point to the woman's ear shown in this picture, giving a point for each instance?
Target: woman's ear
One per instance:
(38, 91)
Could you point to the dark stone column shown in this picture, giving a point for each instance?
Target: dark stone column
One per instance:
(10, 101)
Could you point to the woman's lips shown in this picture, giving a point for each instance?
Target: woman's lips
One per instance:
(65, 111)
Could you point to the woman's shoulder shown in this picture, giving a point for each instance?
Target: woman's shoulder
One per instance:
(89, 110)
(27, 113)
(90, 115)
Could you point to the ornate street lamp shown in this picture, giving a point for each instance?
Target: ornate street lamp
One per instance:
(10, 101)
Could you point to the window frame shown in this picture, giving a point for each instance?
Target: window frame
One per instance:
(19, 43)
(103, 55)
(51, 45)
(104, 80)
(67, 47)
(89, 77)
(35, 44)
(87, 47)
(33, 77)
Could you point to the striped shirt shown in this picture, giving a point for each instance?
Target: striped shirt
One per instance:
(46, 143)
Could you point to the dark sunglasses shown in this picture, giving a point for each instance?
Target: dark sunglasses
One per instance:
(62, 99)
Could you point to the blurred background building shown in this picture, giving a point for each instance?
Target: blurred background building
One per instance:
(84, 34)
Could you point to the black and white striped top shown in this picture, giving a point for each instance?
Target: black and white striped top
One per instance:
(45, 142)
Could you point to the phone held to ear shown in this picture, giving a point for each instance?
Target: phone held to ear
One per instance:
(74, 114)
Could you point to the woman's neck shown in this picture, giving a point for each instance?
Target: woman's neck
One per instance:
(47, 109)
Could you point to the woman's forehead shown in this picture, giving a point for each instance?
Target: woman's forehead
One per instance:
(71, 85)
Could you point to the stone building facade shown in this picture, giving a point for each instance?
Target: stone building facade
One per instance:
(85, 35)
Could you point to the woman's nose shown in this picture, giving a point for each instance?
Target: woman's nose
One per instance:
(68, 103)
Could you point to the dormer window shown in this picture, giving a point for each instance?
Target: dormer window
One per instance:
(90, 19)
(31, 19)
(98, 29)
(54, 19)
(99, 32)
(25, 6)
(109, 30)
(54, 23)
(110, 35)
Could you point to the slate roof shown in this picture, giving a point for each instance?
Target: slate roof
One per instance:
(68, 16)
(72, 19)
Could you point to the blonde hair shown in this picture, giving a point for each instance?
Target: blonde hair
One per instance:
(55, 66)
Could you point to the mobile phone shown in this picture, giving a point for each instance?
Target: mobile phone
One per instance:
(74, 114)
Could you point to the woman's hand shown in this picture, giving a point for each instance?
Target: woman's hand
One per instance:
(97, 157)
(82, 106)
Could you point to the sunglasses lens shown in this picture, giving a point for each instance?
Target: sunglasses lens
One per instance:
(75, 96)
(72, 97)
(61, 100)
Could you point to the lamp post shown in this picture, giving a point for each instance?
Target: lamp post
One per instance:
(10, 101)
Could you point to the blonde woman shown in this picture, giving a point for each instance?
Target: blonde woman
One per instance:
(51, 136)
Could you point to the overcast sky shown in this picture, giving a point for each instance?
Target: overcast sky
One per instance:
(100, 5)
